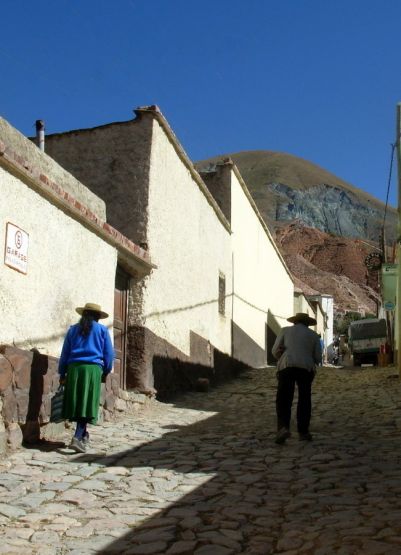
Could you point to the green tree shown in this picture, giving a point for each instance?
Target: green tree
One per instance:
(341, 323)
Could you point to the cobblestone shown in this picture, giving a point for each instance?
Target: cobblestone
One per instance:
(203, 475)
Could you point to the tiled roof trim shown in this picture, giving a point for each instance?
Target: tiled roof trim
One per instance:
(64, 200)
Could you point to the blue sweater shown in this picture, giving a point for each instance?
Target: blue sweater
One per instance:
(96, 348)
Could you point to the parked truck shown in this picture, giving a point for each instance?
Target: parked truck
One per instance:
(365, 338)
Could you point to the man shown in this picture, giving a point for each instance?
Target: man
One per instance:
(298, 351)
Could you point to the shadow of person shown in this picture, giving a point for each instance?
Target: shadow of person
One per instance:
(31, 427)
(45, 445)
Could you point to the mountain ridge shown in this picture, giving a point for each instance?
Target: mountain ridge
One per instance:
(279, 166)
(286, 187)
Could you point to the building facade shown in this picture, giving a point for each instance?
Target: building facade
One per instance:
(59, 253)
(262, 284)
(179, 327)
(221, 291)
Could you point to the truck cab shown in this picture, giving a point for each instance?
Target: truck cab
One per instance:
(365, 338)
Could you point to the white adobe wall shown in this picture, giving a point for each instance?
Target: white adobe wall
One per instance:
(190, 246)
(68, 265)
(261, 282)
(328, 307)
(319, 328)
(301, 305)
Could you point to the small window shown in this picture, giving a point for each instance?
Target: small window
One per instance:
(222, 294)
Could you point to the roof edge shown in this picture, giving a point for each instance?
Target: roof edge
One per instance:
(134, 257)
(156, 113)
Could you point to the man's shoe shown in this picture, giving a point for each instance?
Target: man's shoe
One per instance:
(78, 445)
(282, 435)
(305, 437)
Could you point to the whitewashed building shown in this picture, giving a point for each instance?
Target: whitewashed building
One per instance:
(221, 291)
(56, 226)
(262, 287)
(326, 304)
(59, 253)
(179, 324)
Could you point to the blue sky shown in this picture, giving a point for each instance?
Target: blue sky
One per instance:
(314, 78)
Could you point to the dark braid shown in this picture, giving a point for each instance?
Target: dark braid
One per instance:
(86, 321)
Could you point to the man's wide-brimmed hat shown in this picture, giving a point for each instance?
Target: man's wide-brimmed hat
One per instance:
(93, 307)
(302, 318)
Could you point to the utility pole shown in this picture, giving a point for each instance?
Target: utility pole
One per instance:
(398, 298)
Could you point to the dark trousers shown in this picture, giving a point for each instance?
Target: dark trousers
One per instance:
(287, 379)
(80, 430)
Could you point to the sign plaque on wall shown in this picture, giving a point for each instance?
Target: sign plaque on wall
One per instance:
(389, 285)
(16, 249)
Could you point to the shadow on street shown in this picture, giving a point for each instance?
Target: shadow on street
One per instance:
(255, 496)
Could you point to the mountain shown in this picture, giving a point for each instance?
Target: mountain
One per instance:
(286, 188)
(324, 226)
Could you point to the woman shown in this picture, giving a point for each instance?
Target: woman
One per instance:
(87, 357)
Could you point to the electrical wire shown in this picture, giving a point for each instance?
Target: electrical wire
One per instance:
(393, 145)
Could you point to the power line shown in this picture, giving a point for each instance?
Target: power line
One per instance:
(393, 145)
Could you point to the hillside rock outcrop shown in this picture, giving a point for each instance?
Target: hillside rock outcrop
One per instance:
(330, 209)
(286, 187)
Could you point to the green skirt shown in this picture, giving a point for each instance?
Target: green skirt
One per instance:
(82, 392)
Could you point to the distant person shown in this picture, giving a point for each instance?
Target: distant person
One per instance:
(322, 346)
(336, 352)
(336, 355)
(343, 348)
(87, 356)
(298, 351)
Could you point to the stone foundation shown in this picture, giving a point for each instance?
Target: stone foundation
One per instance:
(157, 367)
(28, 381)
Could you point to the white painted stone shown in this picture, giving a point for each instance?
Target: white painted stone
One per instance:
(120, 404)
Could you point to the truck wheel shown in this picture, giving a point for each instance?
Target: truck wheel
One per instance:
(357, 361)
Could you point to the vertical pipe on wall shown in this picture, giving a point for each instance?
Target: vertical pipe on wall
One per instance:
(397, 333)
(40, 134)
(232, 303)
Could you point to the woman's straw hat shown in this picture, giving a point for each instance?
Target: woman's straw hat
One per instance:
(93, 308)
(302, 318)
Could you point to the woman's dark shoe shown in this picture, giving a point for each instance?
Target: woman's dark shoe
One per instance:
(305, 437)
(282, 435)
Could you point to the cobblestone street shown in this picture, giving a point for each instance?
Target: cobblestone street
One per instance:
(203, 476)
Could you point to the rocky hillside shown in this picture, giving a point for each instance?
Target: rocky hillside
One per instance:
(324, 226)
(286, 188)
(327, 264)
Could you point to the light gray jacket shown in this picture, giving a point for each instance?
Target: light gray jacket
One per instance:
(297, 346)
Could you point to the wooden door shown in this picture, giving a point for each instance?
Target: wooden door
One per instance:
(120, 324)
